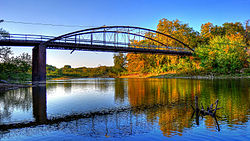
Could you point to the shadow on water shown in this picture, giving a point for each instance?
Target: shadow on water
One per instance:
(153, 103)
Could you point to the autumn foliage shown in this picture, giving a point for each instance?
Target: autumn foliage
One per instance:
(218, 49)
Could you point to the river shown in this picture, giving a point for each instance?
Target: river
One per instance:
(126, 109)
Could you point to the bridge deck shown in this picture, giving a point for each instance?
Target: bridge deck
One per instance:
(89, 47)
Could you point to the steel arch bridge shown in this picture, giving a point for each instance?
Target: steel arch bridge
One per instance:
(106, 38)
(121, 39)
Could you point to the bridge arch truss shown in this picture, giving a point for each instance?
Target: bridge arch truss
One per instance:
(115, 37)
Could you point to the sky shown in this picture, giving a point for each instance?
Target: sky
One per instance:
(89, 13)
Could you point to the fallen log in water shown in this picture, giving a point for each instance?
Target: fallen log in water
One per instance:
(209, 111)
(203, 112)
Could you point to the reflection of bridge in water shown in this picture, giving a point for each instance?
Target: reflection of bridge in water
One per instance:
(119, 122)
(106, 39)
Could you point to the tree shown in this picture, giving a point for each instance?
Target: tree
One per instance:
(179, 31)
(13, 68)
(3, 33)
(16, 68)
(5, 52)
(209, 31)
(119, 62)
(67, 67)
(233, 28)
(149, 63)
(247, 33)
(223, 55)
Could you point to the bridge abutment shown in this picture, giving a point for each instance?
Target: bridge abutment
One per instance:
(39, 64)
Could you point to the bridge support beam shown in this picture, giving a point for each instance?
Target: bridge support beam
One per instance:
(39, 64)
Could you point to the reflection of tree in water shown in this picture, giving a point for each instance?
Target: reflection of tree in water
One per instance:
(233, 95)
(160, 91)
(174, 119)
(120, 90)
(15, 99)
(69, 85)
(173, 94)
(103, 84)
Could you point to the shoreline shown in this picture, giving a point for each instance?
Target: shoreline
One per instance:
(10, 86)
(204, 77)
(184, 76)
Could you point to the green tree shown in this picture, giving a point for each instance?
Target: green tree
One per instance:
(119, 63)
(4, 51)
(209, 31)
(16, 68)
(13, 68)
(67, 67)
(223, 55)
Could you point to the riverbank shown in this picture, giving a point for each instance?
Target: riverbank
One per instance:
(237, 76)
(186, 76)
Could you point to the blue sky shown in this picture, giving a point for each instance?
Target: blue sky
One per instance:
(143, 13)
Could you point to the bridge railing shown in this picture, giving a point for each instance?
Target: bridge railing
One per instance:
(26, 37)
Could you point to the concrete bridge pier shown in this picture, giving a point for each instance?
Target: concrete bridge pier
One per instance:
(39, 64)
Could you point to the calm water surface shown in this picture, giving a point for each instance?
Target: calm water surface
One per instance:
(126, 109)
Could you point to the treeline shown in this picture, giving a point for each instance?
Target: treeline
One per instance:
(101, 71)
(67, 71)
(218, 49)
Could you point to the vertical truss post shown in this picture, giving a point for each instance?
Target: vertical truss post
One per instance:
(139, 34)
(128, 38)
(104, 37)
(91, 39)
(115, 38)
(158, 46)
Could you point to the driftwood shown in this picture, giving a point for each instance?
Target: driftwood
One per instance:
(208, 111)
